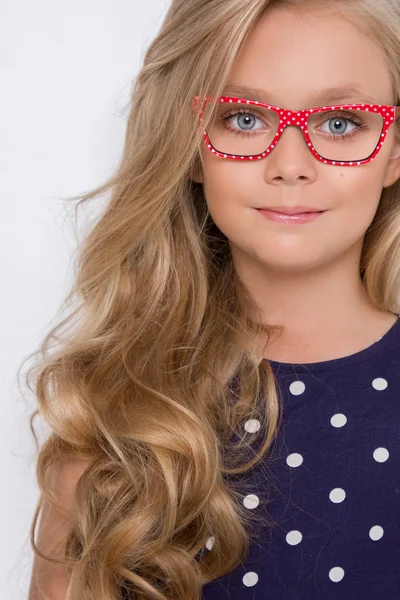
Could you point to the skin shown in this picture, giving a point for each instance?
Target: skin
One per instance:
(305, 277)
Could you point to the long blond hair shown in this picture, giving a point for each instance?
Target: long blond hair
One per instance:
(156, 368)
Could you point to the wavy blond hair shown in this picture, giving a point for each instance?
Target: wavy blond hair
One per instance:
(153, 372)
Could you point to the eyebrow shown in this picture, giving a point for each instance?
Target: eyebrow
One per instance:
(333, 95)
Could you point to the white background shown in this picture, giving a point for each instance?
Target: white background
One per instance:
(66, 71)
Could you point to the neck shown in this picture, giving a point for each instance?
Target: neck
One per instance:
(326, 311)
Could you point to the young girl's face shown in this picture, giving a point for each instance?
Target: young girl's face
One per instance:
(293, 58)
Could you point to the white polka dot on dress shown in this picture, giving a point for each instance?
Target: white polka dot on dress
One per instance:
(337, 495)
(251, 501)
(252, 425)
(336, 574)
(297, 388)
(380, 384)
(210, 542)
(294, 537)
(376, 533)
(294, 460)
(338, 420)
(381, 455)
(250, 579)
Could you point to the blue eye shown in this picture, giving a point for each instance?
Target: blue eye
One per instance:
(244, 116)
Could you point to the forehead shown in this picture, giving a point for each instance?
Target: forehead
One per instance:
(294, 59)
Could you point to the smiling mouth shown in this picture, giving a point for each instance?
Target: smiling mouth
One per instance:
(290, 218)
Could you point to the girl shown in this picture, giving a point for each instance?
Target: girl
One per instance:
(224, 402)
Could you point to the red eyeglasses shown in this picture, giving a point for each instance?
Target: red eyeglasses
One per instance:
(358, 144)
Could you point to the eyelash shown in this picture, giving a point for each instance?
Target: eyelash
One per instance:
(343, 115)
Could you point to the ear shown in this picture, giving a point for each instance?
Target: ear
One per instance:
(393, 168)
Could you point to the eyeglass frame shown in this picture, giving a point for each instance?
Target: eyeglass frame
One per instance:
(389, 114)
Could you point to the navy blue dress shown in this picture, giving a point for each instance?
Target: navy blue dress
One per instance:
(336, 502)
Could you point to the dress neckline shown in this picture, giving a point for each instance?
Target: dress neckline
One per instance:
(344, 361)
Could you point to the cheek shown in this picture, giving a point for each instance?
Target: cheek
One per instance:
(360, 191)
(230, 185)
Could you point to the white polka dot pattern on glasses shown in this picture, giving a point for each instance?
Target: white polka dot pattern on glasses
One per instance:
(380, 384)
(297, 388)
(294, 460)
(250, 579)
(381, 455)
(252, 425)
(251, 501)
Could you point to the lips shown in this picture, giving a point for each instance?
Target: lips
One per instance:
(289, 217)
(294, 210)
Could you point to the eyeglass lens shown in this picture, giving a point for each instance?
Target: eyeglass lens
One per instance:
(337, 135)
